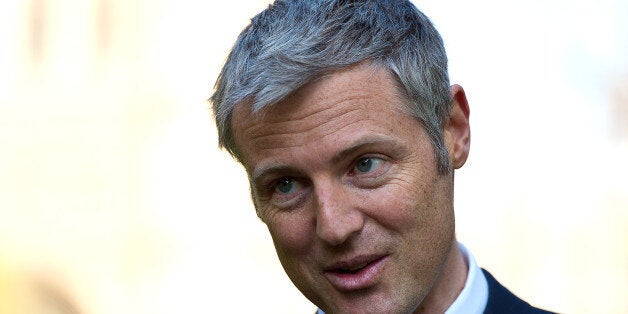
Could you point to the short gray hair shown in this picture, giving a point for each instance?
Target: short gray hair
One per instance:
(293, 42)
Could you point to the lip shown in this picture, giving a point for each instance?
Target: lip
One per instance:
(363, 278)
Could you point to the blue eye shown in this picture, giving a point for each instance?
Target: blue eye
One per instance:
(286, 186)
(368, 164)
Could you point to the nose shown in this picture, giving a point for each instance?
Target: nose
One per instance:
(337, 219)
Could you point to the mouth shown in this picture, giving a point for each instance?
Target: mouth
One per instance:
(352, 269)
(355, 274)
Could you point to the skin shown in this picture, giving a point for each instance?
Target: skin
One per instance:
(343, 177)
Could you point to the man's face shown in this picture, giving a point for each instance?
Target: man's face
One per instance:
(347, 184)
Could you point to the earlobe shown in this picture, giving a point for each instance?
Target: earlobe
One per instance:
(457, 130)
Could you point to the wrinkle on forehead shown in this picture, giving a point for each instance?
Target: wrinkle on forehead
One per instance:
(292, 133)
(316, 110)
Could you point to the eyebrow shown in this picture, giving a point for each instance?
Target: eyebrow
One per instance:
(365, 142)
(357, 146)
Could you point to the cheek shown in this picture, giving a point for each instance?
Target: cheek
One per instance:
(412, 205)
(292, 233)
(393, 207)
(402, 202)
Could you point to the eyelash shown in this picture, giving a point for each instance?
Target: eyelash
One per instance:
(289, 201)
(382, 160)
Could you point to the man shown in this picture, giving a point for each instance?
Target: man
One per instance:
(342, 114)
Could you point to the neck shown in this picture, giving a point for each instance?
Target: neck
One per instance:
(448, 284)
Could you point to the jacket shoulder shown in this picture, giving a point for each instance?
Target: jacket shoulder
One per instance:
(501, 300)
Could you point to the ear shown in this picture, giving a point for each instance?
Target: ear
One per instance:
(457, 131)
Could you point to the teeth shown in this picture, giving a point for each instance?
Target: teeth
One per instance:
(356, 267)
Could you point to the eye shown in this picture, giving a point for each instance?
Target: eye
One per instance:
(286, 193)
(286, 186)
(368, 164)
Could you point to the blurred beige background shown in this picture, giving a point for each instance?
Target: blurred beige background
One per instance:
(115, 199)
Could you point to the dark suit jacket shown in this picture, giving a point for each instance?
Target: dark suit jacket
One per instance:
(500, 300)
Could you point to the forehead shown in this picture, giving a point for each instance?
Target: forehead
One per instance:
(331, 108)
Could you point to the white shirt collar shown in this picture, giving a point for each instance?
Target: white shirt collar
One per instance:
(474, 296)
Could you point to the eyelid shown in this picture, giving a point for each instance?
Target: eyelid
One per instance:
(370, 180)
(376, 163)
(268, 182)
(354, 164)
(285, 201)
(275, 183)
(269, 186)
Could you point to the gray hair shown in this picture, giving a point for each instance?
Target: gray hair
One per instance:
(293, 42)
